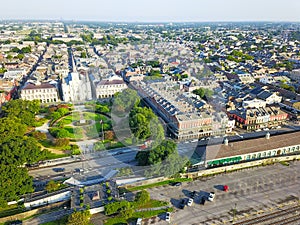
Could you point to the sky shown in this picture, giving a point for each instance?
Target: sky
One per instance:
(153, 10)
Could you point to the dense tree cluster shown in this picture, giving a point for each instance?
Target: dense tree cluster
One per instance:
(126, 209)
(56, 113)
(157, 154)
(22, 109)
(164, 160)
(17, 149)
(145, 124)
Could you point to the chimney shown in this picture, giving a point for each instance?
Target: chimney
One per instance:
(268, 135)
(226, 141)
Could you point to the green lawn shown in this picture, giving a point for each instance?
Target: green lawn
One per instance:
(146, 214)
(75, 132)
(152, 204)
(94, 116)
(167, 182)
(65, 121)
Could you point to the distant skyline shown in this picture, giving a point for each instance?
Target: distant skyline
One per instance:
(153, 11)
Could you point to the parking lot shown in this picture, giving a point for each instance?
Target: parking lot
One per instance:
(250, 191)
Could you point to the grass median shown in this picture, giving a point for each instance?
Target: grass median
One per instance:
(161, 183)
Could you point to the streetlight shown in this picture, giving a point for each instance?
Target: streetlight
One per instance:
(101, 122)
(234, 212)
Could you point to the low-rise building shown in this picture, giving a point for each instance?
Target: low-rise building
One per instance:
(44, 92)
(108, 87)
(247, 150)
(258, 118)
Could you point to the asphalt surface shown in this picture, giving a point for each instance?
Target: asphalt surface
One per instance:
(96, 165)
(249, 191)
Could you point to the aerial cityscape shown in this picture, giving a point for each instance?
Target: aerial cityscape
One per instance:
(122, 113)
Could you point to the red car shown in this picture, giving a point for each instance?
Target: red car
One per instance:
(225, 188)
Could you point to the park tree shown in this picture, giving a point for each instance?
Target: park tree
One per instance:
(116, 207)
(79, 218)
(109, 135)
(10, 128)
(140, 126)
(52, 186)
(25, 110)
(59, 132)
(124, 101)
(157, 154)
(14, 182)
(172, 165)
(20, 150)
(142, 197)
(17, 149)
(39, 135)
(126, 212)
(61, 142)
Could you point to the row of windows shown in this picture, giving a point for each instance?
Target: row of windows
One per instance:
(259, 155)
(40, 90)
(273, 153)
(40, 96)
(112, 86)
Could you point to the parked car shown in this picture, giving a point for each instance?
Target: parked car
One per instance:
(177, 184)
(182, 204)
(168, 217)
(190, 202)
(59, 169)
(202, 201)
(225, 188)
(211, 196)
(193, 194)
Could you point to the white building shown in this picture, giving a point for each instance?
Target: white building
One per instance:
(267, 80)
(76, 87)
(108, 87)
(254, 103)
(44, 92)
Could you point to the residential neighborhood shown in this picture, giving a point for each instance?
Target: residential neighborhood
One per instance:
(142, 123)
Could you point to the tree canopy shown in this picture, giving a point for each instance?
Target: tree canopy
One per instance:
(79, 218)
(145, 124)
(157, 154)
(23, 109)
(14, 182)
(17, 149)
(203, 92)
(124, 101)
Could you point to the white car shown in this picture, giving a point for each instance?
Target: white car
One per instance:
(139, 221)
(190, 202)
(168, 217)
(211, 196)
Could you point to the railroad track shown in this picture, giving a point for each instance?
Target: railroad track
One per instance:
(294, 219)
(272, 216)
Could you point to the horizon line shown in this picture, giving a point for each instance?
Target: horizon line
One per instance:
(156, 22)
